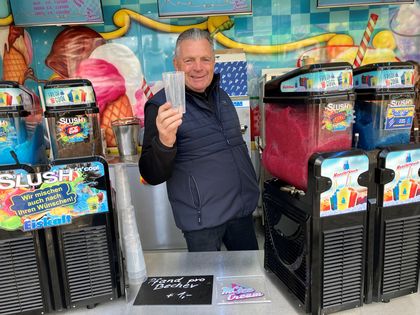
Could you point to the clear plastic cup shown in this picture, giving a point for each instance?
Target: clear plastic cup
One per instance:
(134, 258)
(174, 84)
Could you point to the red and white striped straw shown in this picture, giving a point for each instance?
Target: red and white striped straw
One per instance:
(147, 90)
(361, 52)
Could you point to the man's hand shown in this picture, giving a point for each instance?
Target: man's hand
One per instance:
(167, 122)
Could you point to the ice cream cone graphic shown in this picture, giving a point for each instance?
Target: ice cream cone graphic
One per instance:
(14, 66)
(70, 47)
(122, 71)
(113, 69)
(111, 93)
(119, 108)
(16, 53)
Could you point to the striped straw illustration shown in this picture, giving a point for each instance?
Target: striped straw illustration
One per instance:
(361, 52)
(146, 89)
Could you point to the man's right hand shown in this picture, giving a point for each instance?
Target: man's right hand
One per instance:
(167, 122)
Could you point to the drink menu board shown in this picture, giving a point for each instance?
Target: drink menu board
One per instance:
(179, 8)
(56, 12)
(347, 3)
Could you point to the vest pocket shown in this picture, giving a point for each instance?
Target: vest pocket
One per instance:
(195, 196)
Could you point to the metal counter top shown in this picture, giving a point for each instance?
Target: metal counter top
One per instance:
(224, 263)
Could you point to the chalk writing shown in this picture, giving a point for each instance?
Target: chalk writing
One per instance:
(161, 283)
(176, 290)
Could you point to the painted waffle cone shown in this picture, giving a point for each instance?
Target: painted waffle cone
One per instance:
(14, 66)
(119, 108)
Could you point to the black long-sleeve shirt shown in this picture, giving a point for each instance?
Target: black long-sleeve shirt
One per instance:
(156, 159)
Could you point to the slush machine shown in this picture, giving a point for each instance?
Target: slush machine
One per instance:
(315, 208)
(25, 279)
(384, 115)
(59, 245)
(384, 105)
(21, 130)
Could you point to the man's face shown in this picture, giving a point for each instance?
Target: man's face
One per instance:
(196, 59)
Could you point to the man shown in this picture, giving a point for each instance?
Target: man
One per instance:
(201, 155)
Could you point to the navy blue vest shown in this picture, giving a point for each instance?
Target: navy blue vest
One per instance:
(213, 179)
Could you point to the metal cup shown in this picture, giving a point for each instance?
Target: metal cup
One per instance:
(126, 131)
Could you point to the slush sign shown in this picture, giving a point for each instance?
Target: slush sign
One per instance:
(31, 201)
(46, 222)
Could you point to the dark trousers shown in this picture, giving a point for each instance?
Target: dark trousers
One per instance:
(236, 234)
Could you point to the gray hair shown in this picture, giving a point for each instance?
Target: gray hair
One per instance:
(194, 34)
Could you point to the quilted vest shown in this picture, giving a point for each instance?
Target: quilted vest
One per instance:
(213, 179)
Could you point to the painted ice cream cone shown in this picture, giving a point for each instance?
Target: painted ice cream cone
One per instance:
(70, 47)
(119, 108)
(16, 53)
(128, 65)
(14, 66)
(110, 90)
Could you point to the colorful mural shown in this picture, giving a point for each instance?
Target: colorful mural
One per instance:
(125, 56)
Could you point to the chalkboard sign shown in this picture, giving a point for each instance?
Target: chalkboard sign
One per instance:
(177, 290)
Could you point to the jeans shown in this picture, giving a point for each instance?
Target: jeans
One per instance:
(236, 234)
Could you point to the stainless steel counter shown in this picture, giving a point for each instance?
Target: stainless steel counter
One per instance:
(230, 264)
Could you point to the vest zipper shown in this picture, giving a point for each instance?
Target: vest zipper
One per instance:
(198, 205)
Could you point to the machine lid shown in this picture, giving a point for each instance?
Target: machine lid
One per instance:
(385, 76)
(14, 97)
(314, 79)
(69, 94)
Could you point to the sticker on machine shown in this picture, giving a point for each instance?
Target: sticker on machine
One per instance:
(405, 187)
(73, 129)
(345, 194)
(400, 114)
(31, 201)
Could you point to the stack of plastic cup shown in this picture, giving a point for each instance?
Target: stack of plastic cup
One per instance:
(133, 251)
(122, 187)
(135, 265)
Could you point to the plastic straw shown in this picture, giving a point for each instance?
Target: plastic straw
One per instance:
(361, 52)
